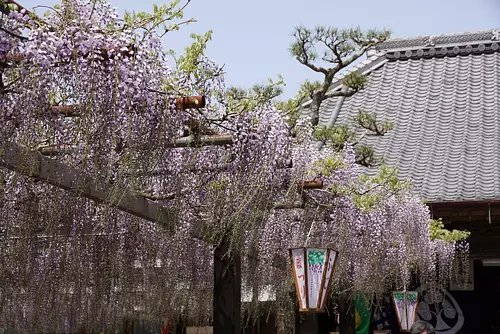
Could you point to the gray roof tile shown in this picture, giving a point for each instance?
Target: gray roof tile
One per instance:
(446, 114)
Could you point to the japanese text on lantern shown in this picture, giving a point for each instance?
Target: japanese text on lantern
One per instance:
(300, 279)
(299, 262)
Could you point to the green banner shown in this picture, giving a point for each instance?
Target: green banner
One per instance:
(363, 315)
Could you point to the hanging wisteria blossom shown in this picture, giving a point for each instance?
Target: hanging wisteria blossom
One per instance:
(89, 91)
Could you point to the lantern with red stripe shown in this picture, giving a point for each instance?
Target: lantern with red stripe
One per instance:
(313, 270)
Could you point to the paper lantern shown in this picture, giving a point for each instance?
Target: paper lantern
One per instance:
(406, 305)
(313, 270)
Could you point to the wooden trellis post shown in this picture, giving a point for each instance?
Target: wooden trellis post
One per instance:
(227, 291)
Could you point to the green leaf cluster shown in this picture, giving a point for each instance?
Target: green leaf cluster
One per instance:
(163, 17)
(355, 81)
(336, 136)
(292, 107)
(242, 100)
(368, 121)
(189, 61)
(219, 185)
(334, 45)
(326, 167)
(437, 231)
(386, 179)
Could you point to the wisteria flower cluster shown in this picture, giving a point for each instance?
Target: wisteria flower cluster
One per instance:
(88, 91)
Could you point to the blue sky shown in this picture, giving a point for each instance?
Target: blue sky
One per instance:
(252, 37)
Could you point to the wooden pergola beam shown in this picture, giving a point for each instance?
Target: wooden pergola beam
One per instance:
(195, 169)
(51, 171)
(105, 53)
(97, 188)
(182, 142)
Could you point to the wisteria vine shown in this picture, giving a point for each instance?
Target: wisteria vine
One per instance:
(68, 263)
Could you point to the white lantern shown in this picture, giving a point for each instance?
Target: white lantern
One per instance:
(313, 272)
(406, 305)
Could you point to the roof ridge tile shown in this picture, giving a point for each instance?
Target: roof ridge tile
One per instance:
(432, 41)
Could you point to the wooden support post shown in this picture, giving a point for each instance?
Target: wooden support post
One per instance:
(227, 291)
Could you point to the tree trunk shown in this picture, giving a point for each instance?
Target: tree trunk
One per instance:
(347, 320)
(227, 291)
(314, 109)
(319, 96)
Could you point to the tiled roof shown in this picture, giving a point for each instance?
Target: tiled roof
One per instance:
(445, 106)
(449, 39)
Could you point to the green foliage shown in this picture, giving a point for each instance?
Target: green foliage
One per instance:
(328, 166)
(365, 156)
(219, 185)
(438, 231)
(189, 61)
(369, 191)
(335, 45)
(368, 121)
(368, 201)
(307, 88)
(293, 107)
(354, 81)
(164, 18)
(328, 50)
(335, 136)
(243, 100)
(189, 65)
(386, 178)
(303, 47)
(8, 6)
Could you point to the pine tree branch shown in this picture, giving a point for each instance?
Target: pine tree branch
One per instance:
(305, 61)
(301, 50)
(365, 46)
(349, 93)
